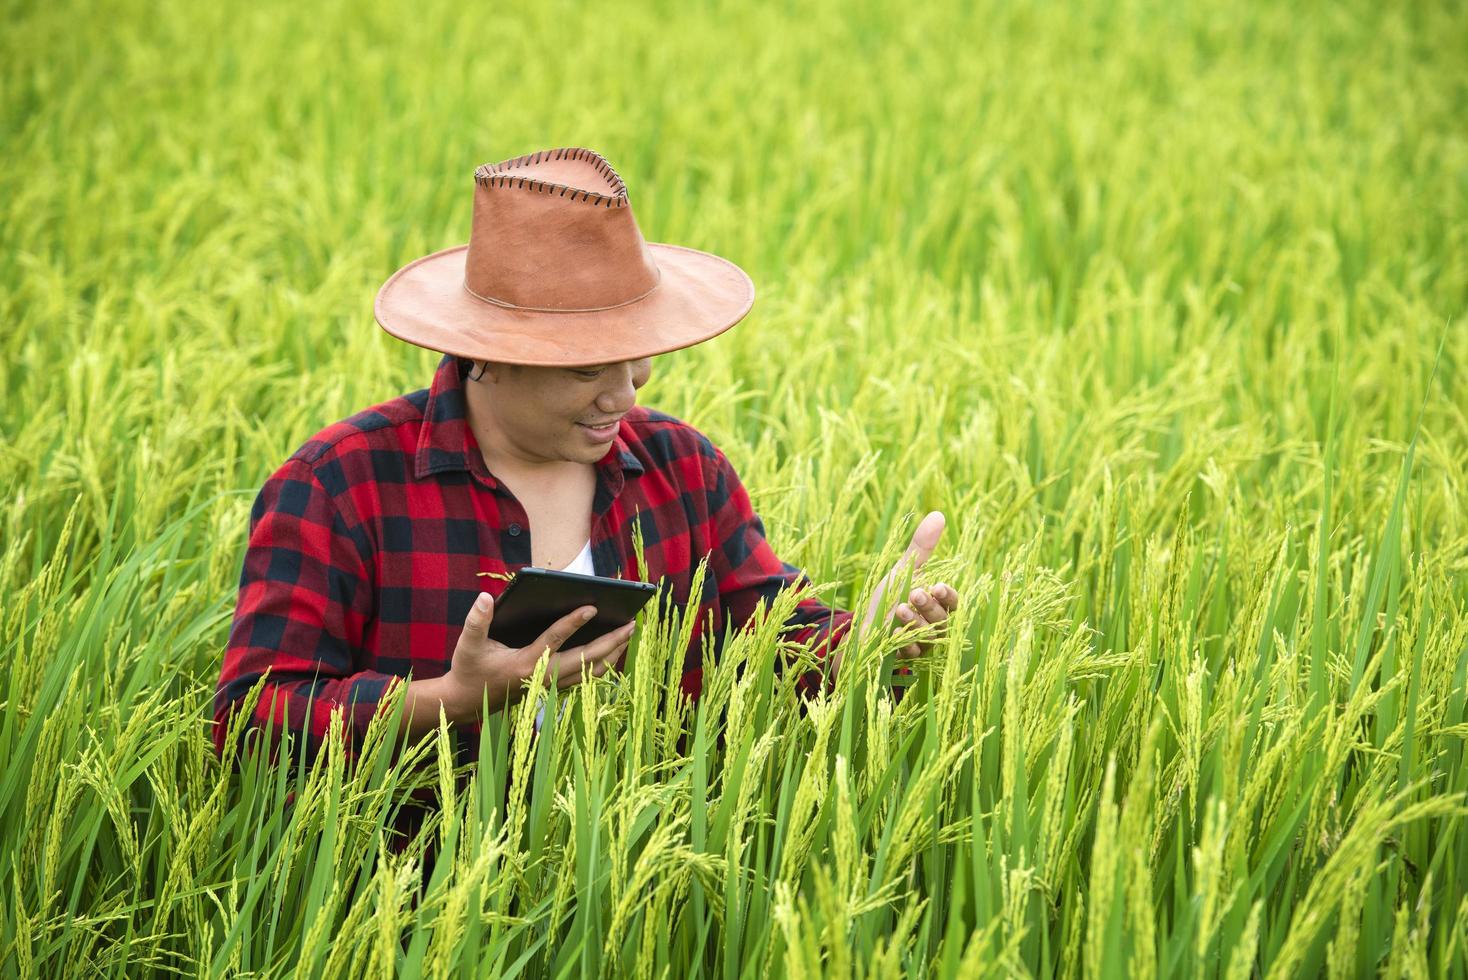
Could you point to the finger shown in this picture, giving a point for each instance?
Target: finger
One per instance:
(604, 646)
(905, 614)
(607, 642)
(481, 614)
(560, 631)
(919, 550)
(569, 671)
(928, 607)
(913, 621)
(907, 618)
(946, 595)
(924, 541)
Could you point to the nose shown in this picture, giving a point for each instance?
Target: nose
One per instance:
(621, 392)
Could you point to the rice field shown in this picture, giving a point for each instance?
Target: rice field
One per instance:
(1162, 304)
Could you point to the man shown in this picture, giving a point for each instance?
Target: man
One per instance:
(374, 549)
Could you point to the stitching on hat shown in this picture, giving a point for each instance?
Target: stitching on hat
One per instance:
(494, 175)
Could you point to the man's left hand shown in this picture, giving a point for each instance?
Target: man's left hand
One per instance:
(924, 606)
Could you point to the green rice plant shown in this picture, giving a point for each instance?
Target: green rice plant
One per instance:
(1162, 305)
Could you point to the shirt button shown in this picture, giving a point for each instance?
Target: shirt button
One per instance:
(514, 530)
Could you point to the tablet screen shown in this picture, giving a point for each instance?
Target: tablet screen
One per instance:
(537, 597)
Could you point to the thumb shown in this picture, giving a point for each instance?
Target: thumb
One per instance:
(481, 614)
(924, 541)
(919, 550)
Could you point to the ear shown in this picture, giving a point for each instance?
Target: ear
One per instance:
(479, 371)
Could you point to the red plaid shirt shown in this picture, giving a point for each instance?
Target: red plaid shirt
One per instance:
(364, 547)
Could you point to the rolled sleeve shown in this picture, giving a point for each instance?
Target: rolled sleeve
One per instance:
(747, 569)
(303, 606)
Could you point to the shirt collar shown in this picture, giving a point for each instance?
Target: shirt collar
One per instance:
(446, 442)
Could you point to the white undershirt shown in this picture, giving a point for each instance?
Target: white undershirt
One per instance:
(581, 565)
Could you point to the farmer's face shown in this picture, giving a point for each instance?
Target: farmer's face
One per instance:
(554, 414)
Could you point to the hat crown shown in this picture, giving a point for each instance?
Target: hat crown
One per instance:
(553, 231)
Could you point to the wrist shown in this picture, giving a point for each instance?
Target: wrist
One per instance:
(446, 690)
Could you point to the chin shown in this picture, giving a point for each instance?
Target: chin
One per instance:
(586, 454)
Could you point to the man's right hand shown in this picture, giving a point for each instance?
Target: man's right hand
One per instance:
(484, 669)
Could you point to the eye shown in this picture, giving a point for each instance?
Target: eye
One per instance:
(587, 373)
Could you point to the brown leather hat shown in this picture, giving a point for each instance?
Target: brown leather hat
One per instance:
(557, 273)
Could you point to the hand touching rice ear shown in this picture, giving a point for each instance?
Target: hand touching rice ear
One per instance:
(924, 606)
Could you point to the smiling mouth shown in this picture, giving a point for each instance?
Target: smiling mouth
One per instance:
(600, 425)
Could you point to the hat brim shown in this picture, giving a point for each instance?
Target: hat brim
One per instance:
(698, 297)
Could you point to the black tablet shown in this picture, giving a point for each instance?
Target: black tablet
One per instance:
(537, 597)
